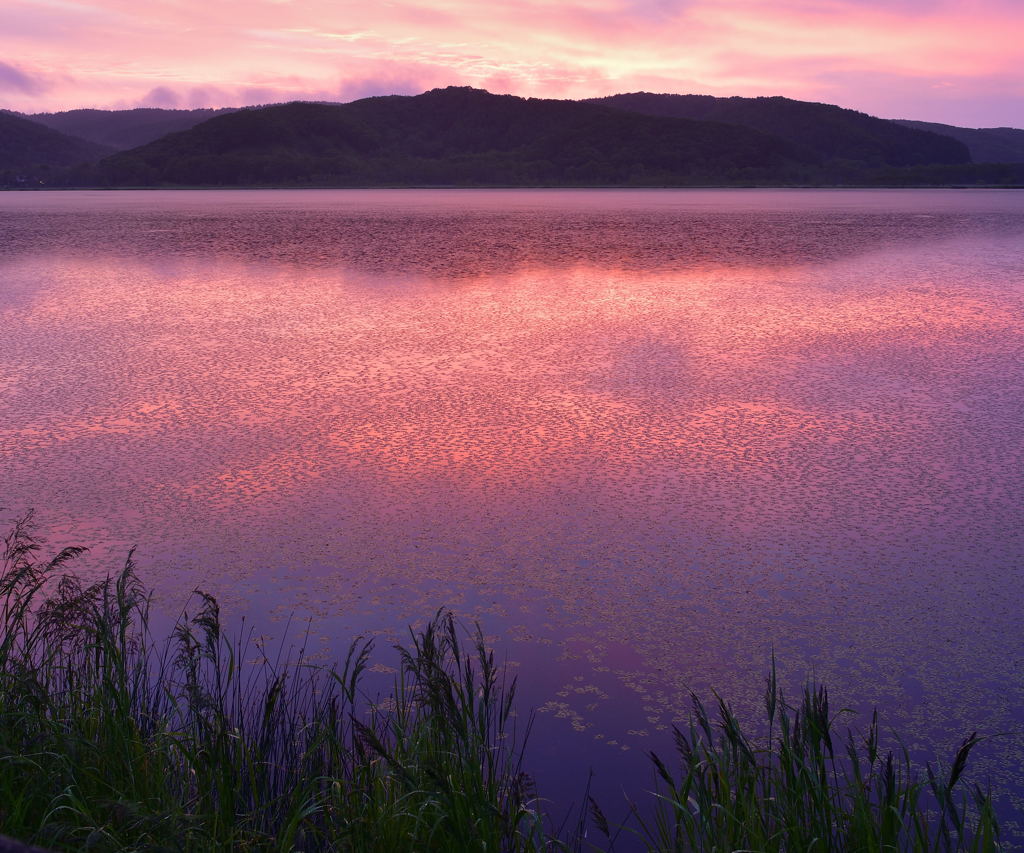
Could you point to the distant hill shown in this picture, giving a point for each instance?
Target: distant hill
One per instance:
(461, 136)
(124, 129)
(454, 136)
(822, 131)
(30, 152)
(986, 144)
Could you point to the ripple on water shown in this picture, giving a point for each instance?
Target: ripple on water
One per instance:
(646, 437)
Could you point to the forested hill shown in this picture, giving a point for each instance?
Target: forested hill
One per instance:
(827, 133)
(454, 136)
(124, 129)
(30, 152)
(986, 144)
(468, 137)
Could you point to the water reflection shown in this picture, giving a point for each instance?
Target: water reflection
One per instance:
(648, 436)
(463, 235)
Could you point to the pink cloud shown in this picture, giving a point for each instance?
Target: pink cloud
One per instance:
(161, 96)
(947, 60)
(14, 79)
(353, 88)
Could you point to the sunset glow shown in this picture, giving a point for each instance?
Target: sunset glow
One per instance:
(952, 61)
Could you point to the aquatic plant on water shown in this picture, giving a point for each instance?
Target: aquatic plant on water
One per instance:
(113, 740)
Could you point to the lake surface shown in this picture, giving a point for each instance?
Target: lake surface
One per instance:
(646, 437)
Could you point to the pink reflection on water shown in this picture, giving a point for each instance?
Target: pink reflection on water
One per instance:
(660, 443)
(245, 382)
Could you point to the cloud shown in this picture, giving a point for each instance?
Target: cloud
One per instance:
(354, 88)
(976, 102)
(656, 10)
(234, 52)
(161, 96)
(13, 79)
(254, 95)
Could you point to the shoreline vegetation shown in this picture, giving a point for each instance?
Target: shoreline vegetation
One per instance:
(112, 739)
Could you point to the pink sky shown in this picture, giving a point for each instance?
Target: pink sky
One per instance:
(954, 61)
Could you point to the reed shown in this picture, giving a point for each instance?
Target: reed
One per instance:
(113, 740)
(804, 787)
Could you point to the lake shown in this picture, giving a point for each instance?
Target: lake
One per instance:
(645, 437)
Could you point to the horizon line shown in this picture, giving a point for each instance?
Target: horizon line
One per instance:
(264, 105)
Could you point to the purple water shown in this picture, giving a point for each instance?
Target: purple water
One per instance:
(645, 437)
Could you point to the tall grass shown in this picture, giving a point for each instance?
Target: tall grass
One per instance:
(113, 740)
(805, 788)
